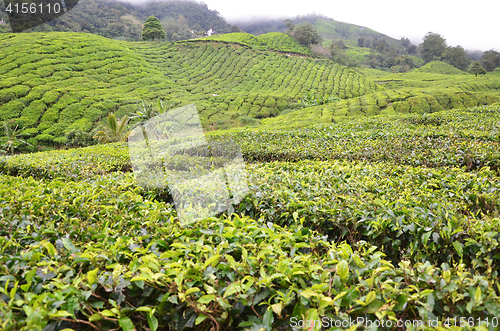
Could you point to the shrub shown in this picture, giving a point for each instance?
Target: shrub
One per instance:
(247, 120)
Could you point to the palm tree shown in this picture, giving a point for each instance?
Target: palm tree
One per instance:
(115, 131)
(146, 111)
(12, 139)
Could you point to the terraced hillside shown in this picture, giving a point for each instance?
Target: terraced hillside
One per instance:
(55, 82)
(384, 219)
(228, 80)
(434, 87)
(272, 41)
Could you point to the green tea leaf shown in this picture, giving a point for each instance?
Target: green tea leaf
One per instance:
(92, 276)
(206, 299)
(477, 295)
(126, 324)
(459, 248)
(231, 289)
(343, 269)
(200, 319)
(277, 308)
(50, 249)
(69, 245)
(192, 290)
(213, 260)
(268, 320)
(152, 322)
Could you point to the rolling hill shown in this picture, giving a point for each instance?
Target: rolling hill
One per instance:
(328, 29)
(57, 82)
(348, 215)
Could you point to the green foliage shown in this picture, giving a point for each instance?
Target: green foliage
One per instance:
(457, 57)
(153, 29)
(306, 35)
(273, 41)
(146, 110)
(323, 237)
(311, 99)
(78, 138)
(433, 47)
(12, 139)
(439, 67)
(239, 75)
(116, 130)
(476, 69)
(490, 60)
(81, 163)
(120, 21)
(239, 271)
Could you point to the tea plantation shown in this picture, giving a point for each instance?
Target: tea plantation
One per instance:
(386, 218)
(54, 83)
(383, 207)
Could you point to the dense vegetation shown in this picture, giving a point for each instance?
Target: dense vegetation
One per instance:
(434, 87)
(58, 82)
(380, 218)
(349, 214)
(121, 20)
(328, 28)
(272, 41)
(234, 79)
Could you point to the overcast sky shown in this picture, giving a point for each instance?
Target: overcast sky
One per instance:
(473, 25)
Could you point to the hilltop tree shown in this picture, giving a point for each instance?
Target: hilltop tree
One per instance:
(153, 29)
(477, 69)
(306, 35)
(433, 47)
(490, 60)
(457, 57)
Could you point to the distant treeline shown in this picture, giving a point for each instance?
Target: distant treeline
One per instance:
(119, 20)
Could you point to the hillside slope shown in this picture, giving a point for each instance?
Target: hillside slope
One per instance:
(328, 29)
(419, 91)
(272, 41)
(55, 82)
(122, 20)
(439, 67)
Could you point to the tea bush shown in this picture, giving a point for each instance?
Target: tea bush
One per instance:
(107, 257)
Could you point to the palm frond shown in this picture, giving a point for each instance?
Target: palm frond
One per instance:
(112, 125)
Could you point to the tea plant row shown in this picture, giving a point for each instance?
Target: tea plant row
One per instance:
(108, 256)
(57, 82)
